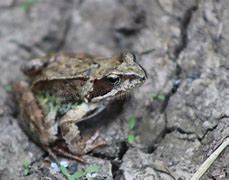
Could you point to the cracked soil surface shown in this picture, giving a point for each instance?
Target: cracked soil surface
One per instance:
(182, 110)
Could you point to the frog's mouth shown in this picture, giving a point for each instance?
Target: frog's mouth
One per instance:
(122, 95)
(114, 95)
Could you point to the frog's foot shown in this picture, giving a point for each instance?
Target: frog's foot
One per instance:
(94, 142)
(51, 154)
(60, 149)
(64, 153)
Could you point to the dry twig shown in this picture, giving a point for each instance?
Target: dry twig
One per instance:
(208, 162)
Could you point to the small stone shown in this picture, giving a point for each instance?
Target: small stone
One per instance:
(54, 168)
(208, 125)
(73, 168)
(64, 163)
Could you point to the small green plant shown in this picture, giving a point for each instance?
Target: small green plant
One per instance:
(131, 126)
(131, 138)
(131, 123)
(64, 171)
(26, 168)
(94, 168)
(8, 88)
(27, 4)
(159, 97)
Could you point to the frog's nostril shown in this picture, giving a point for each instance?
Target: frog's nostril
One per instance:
(143, 78)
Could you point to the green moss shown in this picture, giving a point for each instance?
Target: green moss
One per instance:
(26, 168)
(27, 4)
(8, 88)
(53, 106)
(94, 168)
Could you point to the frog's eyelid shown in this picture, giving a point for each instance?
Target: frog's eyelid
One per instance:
(112, 76)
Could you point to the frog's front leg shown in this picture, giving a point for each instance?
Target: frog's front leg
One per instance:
(71, 133)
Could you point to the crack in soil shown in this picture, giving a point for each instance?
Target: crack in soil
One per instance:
(184, 24)
(206, 132)
(180, 130)
(116, 172)
(212, 129)
(57, 44)
(115, 163)
(62, 41)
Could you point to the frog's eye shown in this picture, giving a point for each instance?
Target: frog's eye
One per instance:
(113, 79)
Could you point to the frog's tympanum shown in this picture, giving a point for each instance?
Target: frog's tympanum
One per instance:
(64, 89)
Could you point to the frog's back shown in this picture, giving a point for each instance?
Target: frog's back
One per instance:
(74, 66)
(65, 66)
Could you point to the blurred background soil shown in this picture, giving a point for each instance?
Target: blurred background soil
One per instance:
(181, 111)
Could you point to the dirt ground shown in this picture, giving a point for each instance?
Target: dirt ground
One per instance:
(181, 111)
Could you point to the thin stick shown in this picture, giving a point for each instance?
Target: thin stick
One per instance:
(208, 162)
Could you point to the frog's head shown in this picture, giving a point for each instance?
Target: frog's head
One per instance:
(124, 75)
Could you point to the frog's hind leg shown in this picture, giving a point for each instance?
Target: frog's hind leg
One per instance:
(61, 152)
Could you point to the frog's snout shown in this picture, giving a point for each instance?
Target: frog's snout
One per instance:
(143, 78)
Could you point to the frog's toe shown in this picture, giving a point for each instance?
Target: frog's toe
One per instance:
(66, 154)
(94, 142)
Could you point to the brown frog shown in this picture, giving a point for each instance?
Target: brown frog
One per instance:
(64, 89)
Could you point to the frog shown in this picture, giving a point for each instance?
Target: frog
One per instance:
(86, 82)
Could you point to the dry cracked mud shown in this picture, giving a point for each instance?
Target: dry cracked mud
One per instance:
(182, 109)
